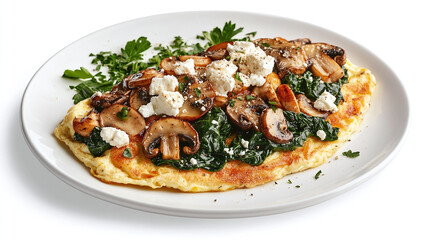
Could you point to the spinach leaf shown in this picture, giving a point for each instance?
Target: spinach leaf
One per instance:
(312, 87)
(96, 145)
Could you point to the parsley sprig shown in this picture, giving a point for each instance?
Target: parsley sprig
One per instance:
(228, 32)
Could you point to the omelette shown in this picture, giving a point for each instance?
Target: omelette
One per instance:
(151, 155)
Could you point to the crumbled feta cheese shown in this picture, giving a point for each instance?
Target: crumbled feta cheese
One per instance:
(160, 85)
(214, 122)
(114, 137)
(325, 102)
(240, 49)
(203, 108)
(256, 80)
(245, 143)
(245, 79)
(193, 161)
(186, 67)
(167, 103)
(220, 74)
(321, 134)
(146, 110)
(229, 151)
(241, 153)
(259, 63)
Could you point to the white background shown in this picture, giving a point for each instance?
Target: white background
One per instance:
(35, 204)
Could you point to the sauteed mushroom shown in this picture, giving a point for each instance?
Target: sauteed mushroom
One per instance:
(287, 98)
(245, 112)
(323, 65)
(274, 126)
(133, 124)
(167, 133)
(84, 126)
(306, 107)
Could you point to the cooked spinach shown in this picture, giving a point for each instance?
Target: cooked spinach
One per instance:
(214, 128)
(312, 87)
(96, 145)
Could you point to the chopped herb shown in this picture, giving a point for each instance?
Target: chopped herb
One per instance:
(351, 154)
(318, 174)
(239, 60)
(181, 86)
(186, 78)
(197, 92)
(266, 45)
(127, 153)
(123, 114)
(297, 186)
(227, 34)
(237, 76)
(81, 73)
(250, 97)
(273, 105)
(298, 48)
(240, 98)
(289, 181)
(228, 57)
(232, 102)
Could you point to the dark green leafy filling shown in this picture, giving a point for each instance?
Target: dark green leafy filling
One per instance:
(214, 128)
(312, 87)
(96, 145)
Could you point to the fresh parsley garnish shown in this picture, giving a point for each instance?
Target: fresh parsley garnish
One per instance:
(240, 98)
(273, 105)
(250, 97)
(181, 86)
(318, 174)
(351, 154)
(232, 102)
(81, 73)
(228, 32)
(237, 76)
(123, 114)
(289, 181)
(197, 92)
(127, 153)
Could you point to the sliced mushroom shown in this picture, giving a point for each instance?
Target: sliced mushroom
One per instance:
(267, 93)
(108, 99)
(84, 126)
(274, 126)
(217, 52)
(220, 101)
(288, 56)
(168, 65)
(323, 65)
(133, 124)
(138, 97)
(274, 80)
(300, 41)
(306, 107)
(142, 78)
(198, 100)
(167, 132)
(287, 98)
(199, 61)
(245, 113)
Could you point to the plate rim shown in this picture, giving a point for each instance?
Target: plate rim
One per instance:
(208, 213)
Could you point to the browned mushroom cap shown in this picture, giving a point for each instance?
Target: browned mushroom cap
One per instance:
(220, 101)
(274, 126)
(108, 99)
(167, 132)
(306, 107)
(300, 41)
(198, 100)
(168, 65)
(142, 78)
(199, 61)
(138, 97)
(84, 126)
(133, 124)
(245, 113)
(288, 56)
(326, 60)
(267, 93)
(217, 52)
(287, 98)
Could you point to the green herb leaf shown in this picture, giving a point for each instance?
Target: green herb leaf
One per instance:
(123, 114)
(181, 86)
(240, 98)
(133, 49)
(96, 145)
(231, 102)
(127, 153)
(197, 92)
(289, 181)
(318, 174)
(250, 97)
(351, 154)
(81, 73)
(297, 186)
(228, 32)
(237, 76)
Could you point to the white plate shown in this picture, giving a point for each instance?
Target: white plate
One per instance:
(47, 99)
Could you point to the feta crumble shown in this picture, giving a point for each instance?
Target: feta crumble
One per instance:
(160, 85)
(221, 76)
(167, 103)
(321, 134)
(214, 122)
(193, 161)
(325, 102)
(229, 151)
(186, 67)
(96, 94)
(245, 143)
(114, 137)
(146, 110)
